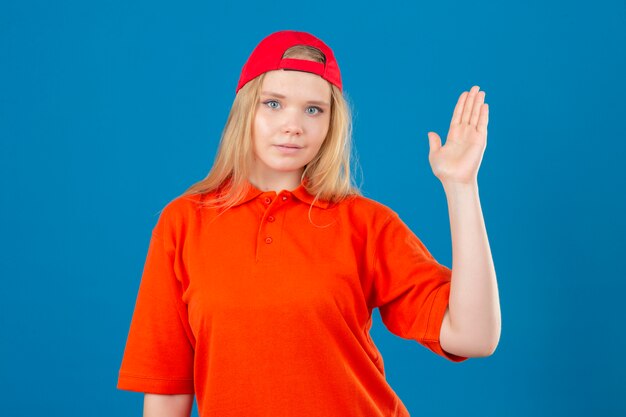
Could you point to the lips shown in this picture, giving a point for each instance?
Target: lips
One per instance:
(288, 149)
(289, 145)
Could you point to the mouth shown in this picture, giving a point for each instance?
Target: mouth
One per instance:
(287, 149)
(289, 146)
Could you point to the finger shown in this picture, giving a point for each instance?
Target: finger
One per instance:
(483, 120)
(469, 103)
(458, 110)
(434, 142)
(478, 104)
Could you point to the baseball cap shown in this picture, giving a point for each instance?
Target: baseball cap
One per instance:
(268, 56)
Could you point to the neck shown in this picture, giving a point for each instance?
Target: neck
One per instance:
(276, 183)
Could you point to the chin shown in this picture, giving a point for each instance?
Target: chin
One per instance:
(288, 169)
(292, 166)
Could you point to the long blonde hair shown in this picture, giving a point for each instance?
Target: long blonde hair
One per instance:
(328, 175)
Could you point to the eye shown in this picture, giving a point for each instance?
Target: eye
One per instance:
(270, 104)
(317, 110)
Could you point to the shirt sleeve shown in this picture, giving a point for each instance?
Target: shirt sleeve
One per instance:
(159, 352)
(411, 288)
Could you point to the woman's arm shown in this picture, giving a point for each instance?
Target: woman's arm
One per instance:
(472, 323)
(156, 405)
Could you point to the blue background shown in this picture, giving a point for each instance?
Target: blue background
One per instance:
(110, 109)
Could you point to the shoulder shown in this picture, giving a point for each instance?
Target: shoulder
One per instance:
(364, 209)
(369, 205)
(178, 212)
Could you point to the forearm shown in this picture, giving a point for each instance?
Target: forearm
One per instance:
(156, 405)
(474, 306)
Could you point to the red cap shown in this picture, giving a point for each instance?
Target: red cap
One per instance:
(268, 56)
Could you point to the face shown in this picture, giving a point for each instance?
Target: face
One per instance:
(290, 124)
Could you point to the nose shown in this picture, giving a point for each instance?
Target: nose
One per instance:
(292, 124)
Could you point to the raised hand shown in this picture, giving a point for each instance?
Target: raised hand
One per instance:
(459, 159)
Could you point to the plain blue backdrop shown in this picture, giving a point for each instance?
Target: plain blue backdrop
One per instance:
(110, 109)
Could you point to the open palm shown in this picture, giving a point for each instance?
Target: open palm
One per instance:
(459, 159)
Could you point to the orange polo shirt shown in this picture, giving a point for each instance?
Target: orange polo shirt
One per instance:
(261, 313)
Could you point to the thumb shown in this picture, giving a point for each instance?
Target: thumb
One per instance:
(434, 141)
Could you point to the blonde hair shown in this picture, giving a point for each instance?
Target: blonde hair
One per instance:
(328, 174)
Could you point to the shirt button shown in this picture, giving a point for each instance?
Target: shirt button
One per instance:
(268, 200)
(268, 240)
(270, 218)
(284, 198)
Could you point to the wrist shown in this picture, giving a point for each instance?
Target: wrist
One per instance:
(460, 191)
(459, 186)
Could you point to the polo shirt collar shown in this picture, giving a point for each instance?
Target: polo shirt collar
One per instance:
(300, 193)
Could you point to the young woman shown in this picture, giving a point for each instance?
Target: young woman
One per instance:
(260, 280)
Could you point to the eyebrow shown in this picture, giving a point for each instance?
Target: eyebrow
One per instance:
(319, 103)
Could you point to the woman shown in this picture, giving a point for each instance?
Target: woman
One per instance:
(260, 280)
